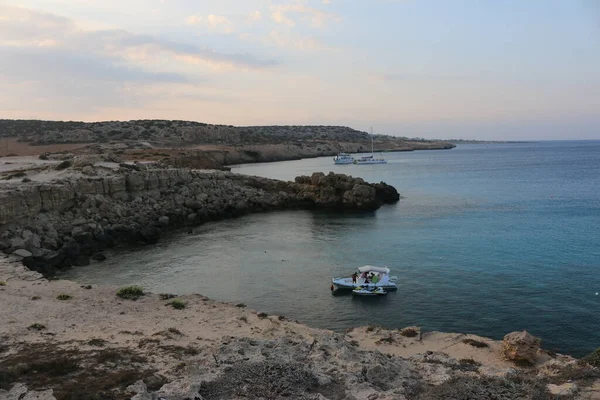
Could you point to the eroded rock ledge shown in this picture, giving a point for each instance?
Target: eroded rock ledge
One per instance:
(68, 221)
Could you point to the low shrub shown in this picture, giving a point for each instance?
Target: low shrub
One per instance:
(409, 332)
(36, 327)
(64, 296)
(593, 358)
(177, 304)
(130, 292)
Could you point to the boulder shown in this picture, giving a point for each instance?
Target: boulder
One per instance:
(20, 392)
(18, 243)
(88, 170)
(164, 220)
(521, 347)
(564, 390)
(22, 253)
(150, 235)
(99, 257)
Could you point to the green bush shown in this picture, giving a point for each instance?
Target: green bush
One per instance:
(2, 283)
(130, 292)
(177, 304)
(64, 296)
(593, 358)
(36, 327)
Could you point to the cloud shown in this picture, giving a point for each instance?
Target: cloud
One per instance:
(21, 27)
(282, 15)
(215, 23)
(255, 16)
(49, 64)
(286, 40)
(54, 66)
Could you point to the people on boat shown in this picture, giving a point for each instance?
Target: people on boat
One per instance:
(354, 277)
(374, 278)
(367, 279)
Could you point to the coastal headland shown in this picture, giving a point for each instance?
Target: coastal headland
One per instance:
(65, 340)
(195, 144)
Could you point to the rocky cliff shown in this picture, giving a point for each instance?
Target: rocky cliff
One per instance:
(67, 221)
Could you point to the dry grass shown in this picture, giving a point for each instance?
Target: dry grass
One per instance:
(13, 146)
(266, 380)
(76, 375)
(473, 388)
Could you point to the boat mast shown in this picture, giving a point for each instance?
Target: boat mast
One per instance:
(371, 140)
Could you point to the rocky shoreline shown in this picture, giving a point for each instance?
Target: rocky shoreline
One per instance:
(66, 215)
(65, 341)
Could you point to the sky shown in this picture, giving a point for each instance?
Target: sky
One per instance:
(472, 69)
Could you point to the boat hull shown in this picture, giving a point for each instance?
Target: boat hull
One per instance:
(358, 162)
(344, 284)
(364, 291)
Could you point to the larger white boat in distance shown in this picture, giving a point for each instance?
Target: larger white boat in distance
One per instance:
(383, 279)
(343, 158)
(370, 159)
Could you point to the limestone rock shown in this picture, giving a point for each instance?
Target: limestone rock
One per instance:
(75, 218)
(566, 389)
(22, 253)
(521, 346)
(88, 170)
(20, 392)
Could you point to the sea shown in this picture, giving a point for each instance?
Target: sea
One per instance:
(487, 239)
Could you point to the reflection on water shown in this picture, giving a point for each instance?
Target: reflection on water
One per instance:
(488, 239)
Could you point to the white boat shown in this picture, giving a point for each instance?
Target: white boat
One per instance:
(370, 159)
(382, 280)
(367, 291)
(343, 158)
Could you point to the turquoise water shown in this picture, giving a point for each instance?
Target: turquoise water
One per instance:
(488, 239)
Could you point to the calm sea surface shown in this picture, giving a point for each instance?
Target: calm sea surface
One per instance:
(487, 240)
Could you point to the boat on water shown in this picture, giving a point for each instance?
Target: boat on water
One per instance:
(368, 276)
(367, 291)
(343, 158)
(370, 159)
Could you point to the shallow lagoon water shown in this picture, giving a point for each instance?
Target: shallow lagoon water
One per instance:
(488, 239)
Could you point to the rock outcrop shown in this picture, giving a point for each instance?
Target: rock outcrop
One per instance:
(521, 347)
(65, 222)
